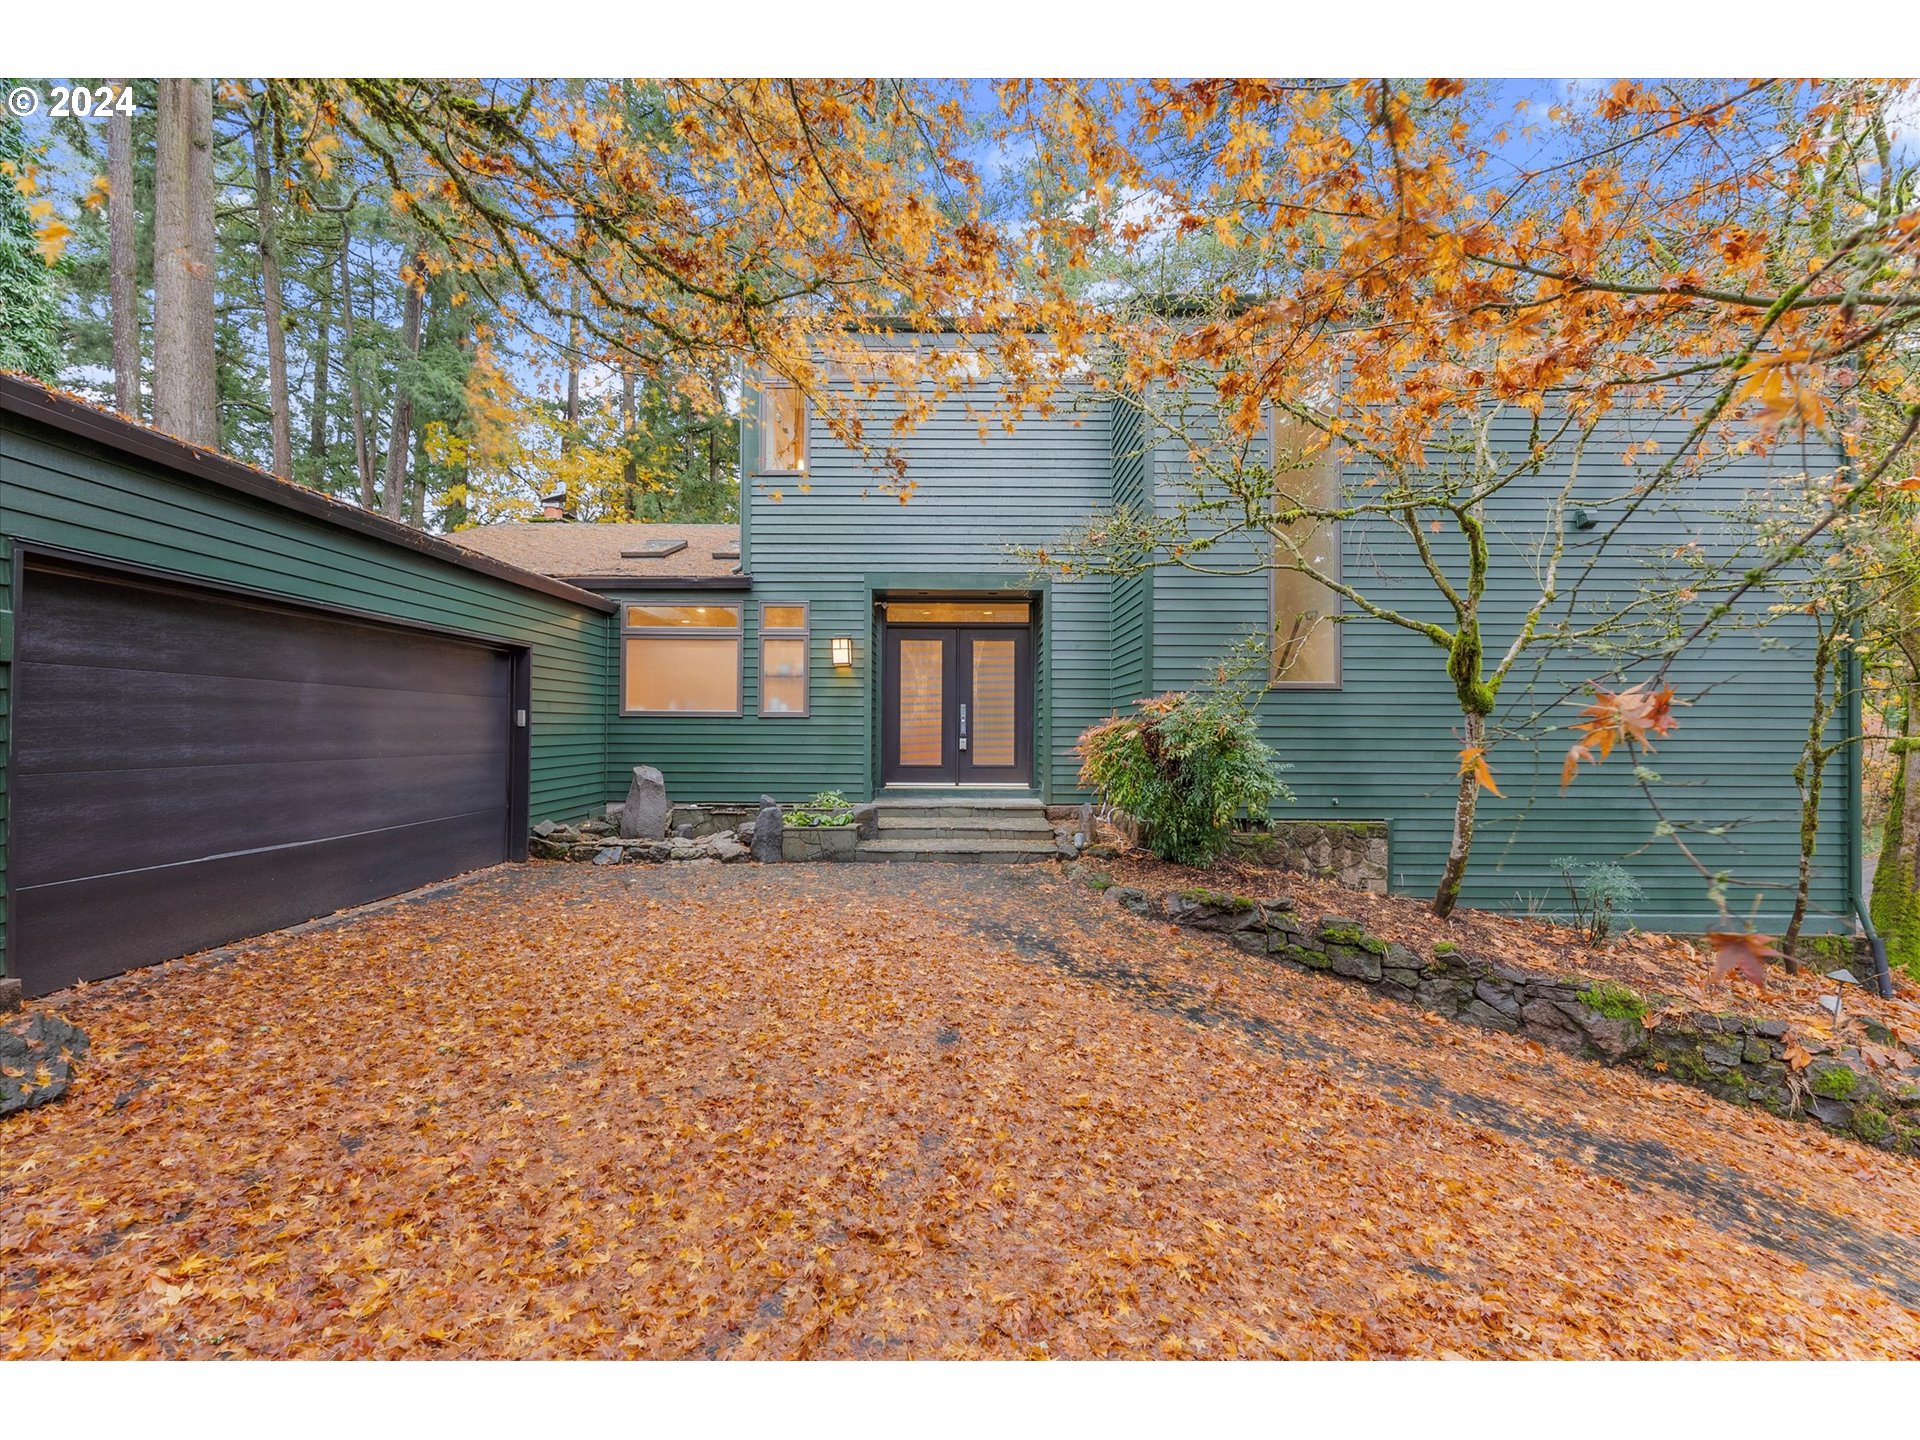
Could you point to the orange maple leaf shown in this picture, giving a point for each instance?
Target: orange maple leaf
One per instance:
(1473, 761)
(1742, 952)
(1633, 716)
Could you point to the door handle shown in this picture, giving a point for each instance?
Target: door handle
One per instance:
(963, 726)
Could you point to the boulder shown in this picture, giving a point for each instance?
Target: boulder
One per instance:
(724, 848)
(684, 832)
(769, 828)
(1210, 910)
(866, 821)
(37, 1055)
(1615, 1039)
(1084, 821)
(9, 996)
(644, 816)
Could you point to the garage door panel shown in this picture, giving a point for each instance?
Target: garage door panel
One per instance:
(132, 720)
(189, 769)
(69, 823)
(82, 622)
(91, 928)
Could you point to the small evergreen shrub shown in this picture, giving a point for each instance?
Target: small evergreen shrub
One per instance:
(1600, 891)
(1184, 767)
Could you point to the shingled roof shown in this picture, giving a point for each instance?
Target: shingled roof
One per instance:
(582, 552)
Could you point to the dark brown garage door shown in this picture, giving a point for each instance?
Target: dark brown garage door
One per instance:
(189, 769)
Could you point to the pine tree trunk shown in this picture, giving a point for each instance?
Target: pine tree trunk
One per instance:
(123, 266)
(271, 299)
(185, 382)
(400, 433)
(362, 460)
(417, 482)
(569, 436)
(629, 470)
(322, 363)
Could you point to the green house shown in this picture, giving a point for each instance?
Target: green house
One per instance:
(229, 704)
(889, 647)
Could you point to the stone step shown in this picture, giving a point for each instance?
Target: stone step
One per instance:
(959, 827)
(960, 809)
(986, 850)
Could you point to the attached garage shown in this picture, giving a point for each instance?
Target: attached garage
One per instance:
(190, 767)
(230, 705)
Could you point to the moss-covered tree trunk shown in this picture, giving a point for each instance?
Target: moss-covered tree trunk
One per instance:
(1810, 774)
(1896, 878)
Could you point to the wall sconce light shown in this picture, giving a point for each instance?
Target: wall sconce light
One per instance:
(841, 648)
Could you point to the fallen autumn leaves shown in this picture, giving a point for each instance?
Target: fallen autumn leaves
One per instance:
(889, 1111)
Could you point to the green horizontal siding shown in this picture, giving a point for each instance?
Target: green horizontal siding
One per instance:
(1132, 595)
(59, 491)
(1385, 745)
(844, 539)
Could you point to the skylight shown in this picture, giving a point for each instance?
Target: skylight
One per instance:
(655, 549)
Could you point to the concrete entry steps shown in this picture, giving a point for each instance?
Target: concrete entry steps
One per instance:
(963, 831)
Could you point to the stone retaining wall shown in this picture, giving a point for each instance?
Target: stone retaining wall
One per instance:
(1738, 1058)
(1352, 853)
(598, 842)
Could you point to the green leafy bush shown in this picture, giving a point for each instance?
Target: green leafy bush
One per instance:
(1599, 890)
(827, 809)
(1184, 767)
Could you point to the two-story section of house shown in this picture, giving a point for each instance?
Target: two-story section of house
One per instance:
(853, 638)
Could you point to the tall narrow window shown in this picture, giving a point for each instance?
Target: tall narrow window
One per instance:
(783, 429)
(680, 660)
(1306, 638)
(783, 659)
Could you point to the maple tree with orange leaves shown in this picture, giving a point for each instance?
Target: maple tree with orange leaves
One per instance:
(1388, 265)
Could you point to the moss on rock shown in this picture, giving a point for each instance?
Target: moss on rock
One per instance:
(1345, 932)
(1837, 1083)
(1217, 900)
(1614, 1000)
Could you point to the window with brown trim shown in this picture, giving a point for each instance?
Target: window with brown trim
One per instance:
(680, 659)
(1305, 649)
(783, 660)
(783, 429)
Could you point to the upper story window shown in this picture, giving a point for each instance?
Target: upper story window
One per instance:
(680, 660)
(783, 429)
(1306, 638)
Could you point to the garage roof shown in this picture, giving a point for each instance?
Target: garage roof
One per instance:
(61, 411)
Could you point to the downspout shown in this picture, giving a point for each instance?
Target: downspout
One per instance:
(1855, 743)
